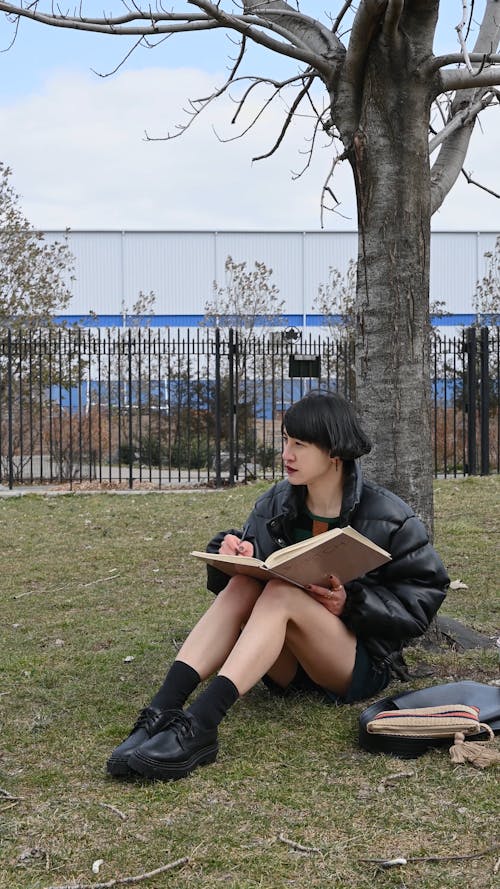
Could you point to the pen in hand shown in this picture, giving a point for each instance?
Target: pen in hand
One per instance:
(240, 549)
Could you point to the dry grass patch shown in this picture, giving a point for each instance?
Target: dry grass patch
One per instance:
(97, 594)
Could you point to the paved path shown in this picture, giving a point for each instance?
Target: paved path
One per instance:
(57, 490)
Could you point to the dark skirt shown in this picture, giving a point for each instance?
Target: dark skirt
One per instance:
(368, 679)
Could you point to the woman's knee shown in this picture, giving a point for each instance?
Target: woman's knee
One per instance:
(278, 593)
(240, 594)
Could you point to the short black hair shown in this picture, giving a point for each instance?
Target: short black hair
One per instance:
(328, 420)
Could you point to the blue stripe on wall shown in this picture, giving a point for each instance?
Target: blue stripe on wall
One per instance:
(195, 320)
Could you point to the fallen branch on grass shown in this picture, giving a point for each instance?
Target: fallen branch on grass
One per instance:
(65, 587)
(114, 809)
(100, 580)
(7, 795)
(298, 847)
(122, 881)
(397, 862)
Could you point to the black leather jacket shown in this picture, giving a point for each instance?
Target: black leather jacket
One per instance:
(386, 608)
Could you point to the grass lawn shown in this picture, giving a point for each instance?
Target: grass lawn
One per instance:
(97, 594)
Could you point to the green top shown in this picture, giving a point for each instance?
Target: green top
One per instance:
(308, 525)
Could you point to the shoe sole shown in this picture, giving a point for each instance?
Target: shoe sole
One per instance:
(150, 768)
(119, 768)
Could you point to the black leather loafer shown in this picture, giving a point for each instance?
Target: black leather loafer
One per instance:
(150, 721)
(174, 752)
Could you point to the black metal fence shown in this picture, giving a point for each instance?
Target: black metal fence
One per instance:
(146, 408)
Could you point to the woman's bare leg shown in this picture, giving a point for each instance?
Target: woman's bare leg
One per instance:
(285, 626)
(213, 637)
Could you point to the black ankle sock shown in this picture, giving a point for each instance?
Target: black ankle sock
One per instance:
(179, 682)
(212, 704)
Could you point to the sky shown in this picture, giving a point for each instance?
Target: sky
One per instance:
(88, 151)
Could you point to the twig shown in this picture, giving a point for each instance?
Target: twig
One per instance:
(392, 862)
(114, 809)
(297, 846)
(387, 780)
(101, 580)
(65, 587)
(43, 592)
(121, 881)
(396, 776)
(472, 181)
(8, 795)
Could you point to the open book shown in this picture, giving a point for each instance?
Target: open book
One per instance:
(341, 551)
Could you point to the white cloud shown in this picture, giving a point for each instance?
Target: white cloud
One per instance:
(80, 159)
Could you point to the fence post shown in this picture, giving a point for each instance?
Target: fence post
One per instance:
(471, 399)
(485, 402)
(130, 419)
(10, 455)
(218, 480)
(233, 469)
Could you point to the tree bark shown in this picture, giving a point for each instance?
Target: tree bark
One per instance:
(390, 161)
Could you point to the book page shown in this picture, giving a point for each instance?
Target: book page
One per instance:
(282, 556)
(344, 554)
(295, 549)
(229, 559)
(341, 551)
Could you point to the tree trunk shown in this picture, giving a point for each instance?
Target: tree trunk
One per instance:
(390, 161)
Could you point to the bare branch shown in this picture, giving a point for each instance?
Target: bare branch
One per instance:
(448, 165)
(326, 190)
(459, 29)
(287, 122)
(11, 44)
(472, 181)
(470, 89)
(299, 48)
(456, 59)
(140, 23)
(279, 85)
(122, 881)
(255, 118)
(345, 8)
(461, 119)
(198, 105)
(322, 122)
(124, 59)
(462, 79)
(315, 35)
(166, 22)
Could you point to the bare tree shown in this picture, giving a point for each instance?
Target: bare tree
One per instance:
(248, 303)
(248, 300)
(336, 301)
(384, 90)
(35, 279)
(35, 276)
(486, 299)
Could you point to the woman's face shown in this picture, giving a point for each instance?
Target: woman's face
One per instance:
(305, 462)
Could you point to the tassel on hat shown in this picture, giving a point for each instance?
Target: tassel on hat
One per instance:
(480, 754)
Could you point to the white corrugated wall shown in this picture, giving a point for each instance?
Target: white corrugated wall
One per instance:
(112, 267)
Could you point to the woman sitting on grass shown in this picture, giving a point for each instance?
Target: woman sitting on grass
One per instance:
(345, 641)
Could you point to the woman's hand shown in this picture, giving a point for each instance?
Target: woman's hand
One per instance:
(332, 597)
(233, 546)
